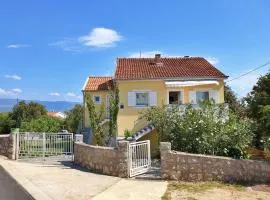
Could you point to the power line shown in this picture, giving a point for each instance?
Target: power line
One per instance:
(249, 72)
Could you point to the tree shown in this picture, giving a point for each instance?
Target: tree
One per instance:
(42, 124)
(26, 111)
(236, 106)
(74, 118)
(113, 110)
(263, 128)
(258, 101)
(6, 123)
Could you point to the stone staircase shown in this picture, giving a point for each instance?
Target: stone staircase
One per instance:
(142, 132)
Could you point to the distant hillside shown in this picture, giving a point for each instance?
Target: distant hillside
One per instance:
(6, 105)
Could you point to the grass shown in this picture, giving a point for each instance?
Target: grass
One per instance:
(198, 187)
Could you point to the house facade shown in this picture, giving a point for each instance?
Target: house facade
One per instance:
(147, 82)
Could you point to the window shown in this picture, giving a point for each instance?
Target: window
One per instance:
(202, 96)
(175, 97)
(142, 99)
(97, 99)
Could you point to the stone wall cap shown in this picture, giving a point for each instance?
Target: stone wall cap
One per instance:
(4, 135)
(94, 146)
(215, 157)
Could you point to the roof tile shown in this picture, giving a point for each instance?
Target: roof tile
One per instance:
(96, 83)
(151, 68)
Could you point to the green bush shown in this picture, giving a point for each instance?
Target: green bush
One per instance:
(209, 130)
(127, 133)
(42, 124)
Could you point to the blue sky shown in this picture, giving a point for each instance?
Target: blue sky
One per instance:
(48, 48)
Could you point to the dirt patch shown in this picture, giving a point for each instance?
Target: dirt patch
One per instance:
(214, 191)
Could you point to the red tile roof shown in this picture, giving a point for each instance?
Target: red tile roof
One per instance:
(96, 83)
(151, 68)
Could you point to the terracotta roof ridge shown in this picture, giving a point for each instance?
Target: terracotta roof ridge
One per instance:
(173, 57)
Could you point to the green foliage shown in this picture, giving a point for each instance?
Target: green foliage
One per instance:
(42, 124)
(236, 106)
(258, 101)
(96, 117)
(113, 110)
(208, 130)
(264, 126)
(26, 111)
(74, 118)
(6, 123)
(127, 133)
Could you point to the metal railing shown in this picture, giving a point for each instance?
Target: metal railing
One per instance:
(139, 157)
(45, 145)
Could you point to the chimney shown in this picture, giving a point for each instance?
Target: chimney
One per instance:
(157, 56)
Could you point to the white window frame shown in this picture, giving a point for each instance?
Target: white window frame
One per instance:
(202, 90)
(175, 90)
(94, 99)
(142, 106)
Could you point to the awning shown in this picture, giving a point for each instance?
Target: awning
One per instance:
(189, 83)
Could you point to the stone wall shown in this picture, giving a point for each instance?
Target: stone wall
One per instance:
(7, 145)
(105, 160)
(194, 167)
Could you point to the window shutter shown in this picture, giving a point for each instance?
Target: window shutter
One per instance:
(153, 98)
(192, 97)
(131, 99)
(213, 95)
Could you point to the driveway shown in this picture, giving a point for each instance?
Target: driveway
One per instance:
(9, 189)
(64, 181)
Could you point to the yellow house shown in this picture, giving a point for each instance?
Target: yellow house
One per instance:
(146, 82)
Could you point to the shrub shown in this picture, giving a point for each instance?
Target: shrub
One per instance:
(208, 130)
(42, 124)
(127, 133)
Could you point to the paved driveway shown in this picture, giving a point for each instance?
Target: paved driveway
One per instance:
(64, 181)
(9, 189)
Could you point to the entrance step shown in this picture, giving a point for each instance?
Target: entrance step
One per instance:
(153, 173)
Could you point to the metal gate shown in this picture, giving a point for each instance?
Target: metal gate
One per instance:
(139, 157)
(45, 146)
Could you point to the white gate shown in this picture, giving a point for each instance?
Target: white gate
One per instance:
(139, 157)
(45, 145)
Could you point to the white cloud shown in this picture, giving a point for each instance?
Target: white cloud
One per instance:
(98, 37)
(101, 37)
(12, 92)
(67, 44)
(16, 90)
(54, 94)
(244, 85)
(71, 94)
(16, 46)
(14, 77)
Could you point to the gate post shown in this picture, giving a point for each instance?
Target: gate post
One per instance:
(43, 145)
(149, 152)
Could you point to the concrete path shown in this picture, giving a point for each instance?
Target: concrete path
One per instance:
(62, 181)
(9, 189)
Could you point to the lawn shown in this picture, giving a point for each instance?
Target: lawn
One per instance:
(215, 191)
